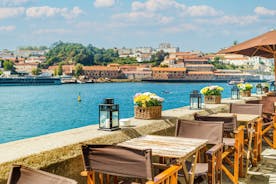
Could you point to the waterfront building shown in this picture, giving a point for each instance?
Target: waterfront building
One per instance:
(140, 74)
(200, 67)
(25, 67)
(66, 69)
(35, 59)
(200, 75)
(168, 73)
(142, 57)
(166, 47)
(96, 72)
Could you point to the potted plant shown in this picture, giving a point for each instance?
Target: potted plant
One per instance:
(147, 106)
(245, 89)
(212, 94)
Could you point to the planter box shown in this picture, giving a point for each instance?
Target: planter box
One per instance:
(246, 93)
(212, 99)
(153, 112)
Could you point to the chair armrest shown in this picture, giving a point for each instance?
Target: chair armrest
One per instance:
(215, 149)
(165, 174)
(84, 173)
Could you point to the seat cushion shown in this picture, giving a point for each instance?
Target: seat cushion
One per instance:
(229, 141)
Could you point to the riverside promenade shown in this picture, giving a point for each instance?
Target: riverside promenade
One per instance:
(60, 152)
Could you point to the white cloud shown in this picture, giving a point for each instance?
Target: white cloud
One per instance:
(51, 31)
(7, 28)
(104, 3)
(46, 11)
(202, 10)
(155, 5)
(264, 11)
(11, 12)
(137, 16)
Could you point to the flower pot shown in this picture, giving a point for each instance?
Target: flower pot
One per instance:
(265, 89)
(153, 112)
(212, 99)
(245, 93)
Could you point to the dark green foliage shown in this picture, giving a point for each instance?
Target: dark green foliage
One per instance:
(8, 65)
(158, 57)
(73, 53)
(36, 71)
(59, 72)
(78, 69)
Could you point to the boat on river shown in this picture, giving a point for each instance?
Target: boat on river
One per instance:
(24, 81)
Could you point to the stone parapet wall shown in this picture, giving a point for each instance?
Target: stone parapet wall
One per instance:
(60, 152)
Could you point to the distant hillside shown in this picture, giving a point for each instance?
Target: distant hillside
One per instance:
(72, 53)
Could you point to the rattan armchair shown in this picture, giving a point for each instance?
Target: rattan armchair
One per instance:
(24, 175)
(213, 132)
(105, 163)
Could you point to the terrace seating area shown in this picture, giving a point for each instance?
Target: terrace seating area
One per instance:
(223, 143)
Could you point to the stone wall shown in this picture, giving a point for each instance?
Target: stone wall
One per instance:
(60, 152)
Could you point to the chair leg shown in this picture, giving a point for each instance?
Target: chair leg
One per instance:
(274, 132)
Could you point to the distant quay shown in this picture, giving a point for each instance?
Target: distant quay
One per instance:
(29, 81)
(198, 80)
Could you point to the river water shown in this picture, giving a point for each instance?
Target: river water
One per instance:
(28, 111)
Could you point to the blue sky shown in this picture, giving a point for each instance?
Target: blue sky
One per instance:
(205, 25)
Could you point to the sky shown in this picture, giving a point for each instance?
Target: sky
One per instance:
(206, 25)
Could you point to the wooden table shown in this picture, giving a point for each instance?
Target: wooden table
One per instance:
(253, 124)
(170, 147)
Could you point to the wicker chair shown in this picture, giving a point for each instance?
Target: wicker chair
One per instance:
(104, 163)
(25, 175)
(234, 146)
(269, 119)
(213, 131)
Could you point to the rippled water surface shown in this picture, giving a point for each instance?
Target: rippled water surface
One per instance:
(27, 111)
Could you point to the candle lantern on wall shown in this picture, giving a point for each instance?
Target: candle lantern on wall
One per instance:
(272, 86)
(259, 89)
(109, 115)
(195, 100)
(235, 93)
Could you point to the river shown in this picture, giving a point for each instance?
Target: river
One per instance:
(28, 111)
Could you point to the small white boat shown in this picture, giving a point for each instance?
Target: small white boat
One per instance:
(233, 82)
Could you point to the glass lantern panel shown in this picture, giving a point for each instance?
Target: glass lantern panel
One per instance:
(115, 118)
(104, 119)
(194, 102)
(259, 90)
(235, 95)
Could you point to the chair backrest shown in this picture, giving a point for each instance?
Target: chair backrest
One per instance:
(253, 102)
(268, 104)
(256, 109)
(25, 175)
(230, 123)
(213, 131)
(118, 161)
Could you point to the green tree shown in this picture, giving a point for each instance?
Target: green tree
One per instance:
(235, 42)
(59, 71)
(8, 65)
(36, 71)
(55, 72)
(78, 70)
(1, 72)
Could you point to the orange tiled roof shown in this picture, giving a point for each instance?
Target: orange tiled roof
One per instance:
(102, 68)
(200, 72)
(169, 69)
(199, 65)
